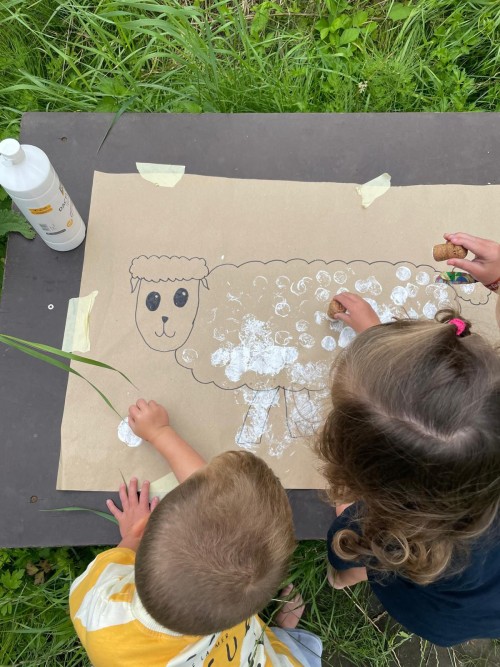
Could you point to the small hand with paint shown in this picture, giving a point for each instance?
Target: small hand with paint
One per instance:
(134, 515)
(360, 315)
(148, 419)
(485, 267)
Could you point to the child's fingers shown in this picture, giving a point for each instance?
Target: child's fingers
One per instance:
(473, 243)
(154, 503)
(474, 268)
(345, 317)
(133, 412)
(122, 492)
(113, 509)
(132, 492)
(141, 404)
(153, 404)
(144, 497)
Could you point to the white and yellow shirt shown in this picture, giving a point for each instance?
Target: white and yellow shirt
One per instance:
(116, 630)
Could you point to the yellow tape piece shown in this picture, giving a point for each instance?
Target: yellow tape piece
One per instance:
(373, 189)
(76, 332)
(164, 175)
(160, 487)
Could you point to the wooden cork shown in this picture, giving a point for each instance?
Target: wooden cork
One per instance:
(334, 308)
(448, 250)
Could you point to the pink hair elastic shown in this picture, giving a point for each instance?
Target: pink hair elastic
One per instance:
(460, 325)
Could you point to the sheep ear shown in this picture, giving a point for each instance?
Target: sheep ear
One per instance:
(133, 284)
(205, 283)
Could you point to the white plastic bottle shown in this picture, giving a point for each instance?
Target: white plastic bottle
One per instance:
(28, 177)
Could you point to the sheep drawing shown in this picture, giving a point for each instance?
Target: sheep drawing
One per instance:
(262, 327)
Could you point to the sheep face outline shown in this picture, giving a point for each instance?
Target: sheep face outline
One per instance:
(167, 300)
(165, 312)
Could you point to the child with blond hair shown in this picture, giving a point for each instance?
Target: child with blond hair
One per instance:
(411, 453)
(186, 582)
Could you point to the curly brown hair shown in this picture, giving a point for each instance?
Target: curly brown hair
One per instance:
(414, 435)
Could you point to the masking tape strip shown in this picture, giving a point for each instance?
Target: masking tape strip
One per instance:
(164, 175)
(76, 332)
(160, 487)
(373, 189)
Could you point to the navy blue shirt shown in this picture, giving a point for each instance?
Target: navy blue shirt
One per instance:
(449, 611)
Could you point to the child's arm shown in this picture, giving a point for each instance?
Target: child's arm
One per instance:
(151, 422)
(485, 267)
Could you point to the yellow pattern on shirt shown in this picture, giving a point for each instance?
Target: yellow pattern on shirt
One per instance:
(116, 630)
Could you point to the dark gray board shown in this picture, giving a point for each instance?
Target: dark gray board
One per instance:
(413, 148)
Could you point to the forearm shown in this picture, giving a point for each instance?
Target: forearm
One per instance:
(343, 578)
(181, 457)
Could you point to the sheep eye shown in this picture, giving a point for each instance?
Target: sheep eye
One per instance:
(153, 300)
(181, 297)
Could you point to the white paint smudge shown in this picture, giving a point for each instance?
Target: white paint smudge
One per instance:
(300, 287)
(320, 317)
(258, 279)
(412, 314)
(306, 340)
(467, 289)
(322, 294)
(282, 309)
(429, 310)
(346, 336)
(302, 325)
(189, 355)
(307, 374)
(412, 290)
(399, 295)
(323, 278)
(422, 278)
(340, 277)
(219, 335)
(403, 273)
(282, 337)
(328, 343)
(282, 282)
(126, 435)
(370, 285)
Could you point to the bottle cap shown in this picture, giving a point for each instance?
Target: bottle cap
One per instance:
(11, 152)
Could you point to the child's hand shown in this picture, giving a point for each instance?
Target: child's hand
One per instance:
(360, 315)
(133, 517)
(147, 420)
(485, 266)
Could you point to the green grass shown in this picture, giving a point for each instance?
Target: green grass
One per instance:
(233, 56)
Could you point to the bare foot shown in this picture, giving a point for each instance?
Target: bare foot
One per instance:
(291, 611)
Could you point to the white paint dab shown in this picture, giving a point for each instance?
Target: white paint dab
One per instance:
(219, 335)
(320, 317)
(341, 290)
(189, 355)
(347, 335)
(322, 294)
(302, 325)
(323, 278)
(282, 309)
(422, 278)
(340, 277)
(126, 435)
(370, 285)
(300, 287)
(372, 302)
(412, 314)
(403, 273)
(328, 343)
(282, 282)
(259, 279)
(412, 290)
(309, 373)
(306, 340)
(282, 337)
(467, 289)
(429, 310)
(399, 295)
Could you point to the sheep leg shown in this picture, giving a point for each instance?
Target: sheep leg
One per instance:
(255, 420)
(301, 413)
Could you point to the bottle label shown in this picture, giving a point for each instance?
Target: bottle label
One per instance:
(42, 210)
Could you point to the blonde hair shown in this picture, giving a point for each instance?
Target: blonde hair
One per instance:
(414, 435)
(217, 547)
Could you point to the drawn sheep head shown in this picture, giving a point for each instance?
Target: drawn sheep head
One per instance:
(167, 298)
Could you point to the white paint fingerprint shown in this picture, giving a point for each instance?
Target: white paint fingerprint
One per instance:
(322, 294)
(370, 285)
(306, 340)
(282, 337)
(323, 278)
(340, 277)
(403, 273)
(300, 287)
(346, 336)
(282, 281)
(422, 278)
(189, 355)
(320, 316)
(412, 290)
(302, 325)
(399, 295)
(126, 435)
(282, 309)
(328, 343)
(429, 310)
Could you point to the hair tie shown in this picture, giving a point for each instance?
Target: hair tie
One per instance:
(460, 325)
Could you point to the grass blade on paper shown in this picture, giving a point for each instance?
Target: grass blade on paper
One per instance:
(58, 364)
(4, 338)
(120, 111)
(103, 515)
